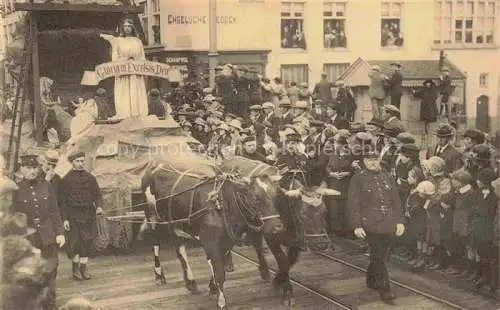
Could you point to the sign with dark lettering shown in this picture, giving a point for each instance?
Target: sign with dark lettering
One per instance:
(186, 25)
(149, 68)
(195, 20)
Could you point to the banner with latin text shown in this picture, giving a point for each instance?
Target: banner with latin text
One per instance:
(148, 68)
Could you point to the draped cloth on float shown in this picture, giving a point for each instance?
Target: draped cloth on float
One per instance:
(130, 90)
(118, 155)
(245, 167)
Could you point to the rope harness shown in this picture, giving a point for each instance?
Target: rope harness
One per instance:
(245, 209)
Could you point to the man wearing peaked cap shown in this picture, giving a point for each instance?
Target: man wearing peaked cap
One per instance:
(392, 131)
(293, 165)
(356, 127)
(407, 164)
(446, 89)
(317, 123)
(389, 153)
(255, 107)
(300, 104)
(410, 150)
(268, 105)
(29, 160)
(363, 138)
(405, 137)
(286, 111)
(480, 159)
(235, 124)
(484, 231)
(376, 122)
(445, 148)
(473, 137)
(271, 118)
(229, 117)
(392, 116)
(285, 102)
(49, 162)
(299, 111)
(81, 201)
(396, 85)
(374, 210)
(251, 150)
(75, 155)
(35, 198)
(318, 110)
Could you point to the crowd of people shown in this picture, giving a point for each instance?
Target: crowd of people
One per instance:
(448, 202)
(444, 208)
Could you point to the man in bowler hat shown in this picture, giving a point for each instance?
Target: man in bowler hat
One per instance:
(375, 213)
(445, 148)
(36, 199)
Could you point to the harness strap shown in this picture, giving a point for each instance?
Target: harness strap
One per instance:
(315, 235)
(255, 169)
(265, 218)
(191, 204)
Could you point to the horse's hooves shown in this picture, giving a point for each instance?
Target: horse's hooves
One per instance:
(192, 287)
(160, 278)
(277, 284)
(289, 302)
(265, 275)
(213, 292)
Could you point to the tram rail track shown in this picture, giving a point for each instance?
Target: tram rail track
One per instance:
(393, 281)
(300, 284)
(340, 301)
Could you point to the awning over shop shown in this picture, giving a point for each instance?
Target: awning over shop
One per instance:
(415, 72)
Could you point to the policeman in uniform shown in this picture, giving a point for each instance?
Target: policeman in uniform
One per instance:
(375, 213)
(35, 198)
(293, 165)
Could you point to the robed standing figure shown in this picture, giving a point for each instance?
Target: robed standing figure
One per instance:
(130, 90)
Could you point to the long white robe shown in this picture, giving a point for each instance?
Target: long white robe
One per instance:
(130, 90)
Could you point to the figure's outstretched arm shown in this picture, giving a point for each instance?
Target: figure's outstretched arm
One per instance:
(107, 37)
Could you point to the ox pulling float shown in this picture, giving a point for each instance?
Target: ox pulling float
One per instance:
(218, 205)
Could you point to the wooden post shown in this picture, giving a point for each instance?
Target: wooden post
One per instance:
(33, 22)
(212, 38)
(498, 105)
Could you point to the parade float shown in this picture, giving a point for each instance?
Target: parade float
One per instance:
(119, 148)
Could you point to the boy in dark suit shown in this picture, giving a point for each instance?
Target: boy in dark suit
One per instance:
(445, 148)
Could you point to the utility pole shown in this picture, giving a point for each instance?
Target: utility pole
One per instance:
(498, 108)
(212, 38)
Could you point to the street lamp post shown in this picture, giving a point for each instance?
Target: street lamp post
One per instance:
(212, 37)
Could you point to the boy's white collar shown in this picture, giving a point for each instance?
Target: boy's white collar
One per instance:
(465, 189)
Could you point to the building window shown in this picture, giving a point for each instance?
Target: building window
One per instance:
(143, 17)
(391, 23)
(145, 27)
(294, 73)
(155, 4)
(156, 29)
(292, 25)
(483, 80)
(333, 71)
(467, 22)
(334, 33)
